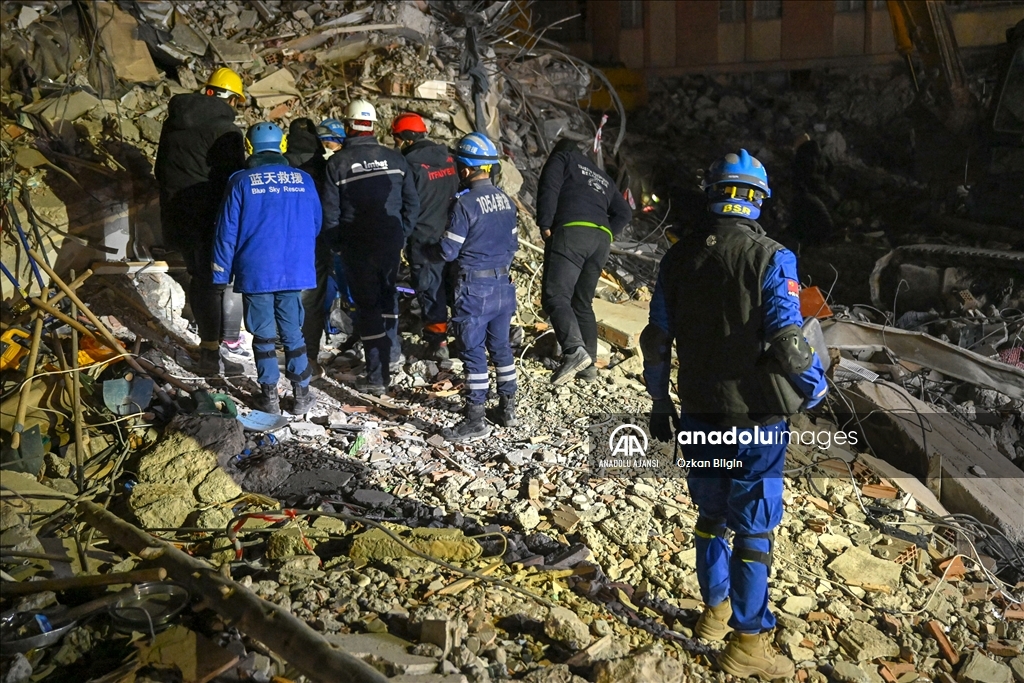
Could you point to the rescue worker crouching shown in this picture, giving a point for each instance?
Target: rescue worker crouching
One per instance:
(266, 238)
(370, 209)
(728, 297)
(480, 238)
(200, 147)
(436, 182)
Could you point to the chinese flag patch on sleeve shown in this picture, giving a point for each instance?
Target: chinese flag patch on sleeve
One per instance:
(792, 288)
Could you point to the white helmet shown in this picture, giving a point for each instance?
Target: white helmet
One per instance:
(360, 110)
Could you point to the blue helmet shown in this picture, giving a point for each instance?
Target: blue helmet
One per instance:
(331, 130)
(476, 149)
(265, 137)
(737, 184)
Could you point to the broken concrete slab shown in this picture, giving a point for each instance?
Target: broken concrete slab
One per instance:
(63, 107)
(980, 669)
(565, 627)
(128, 55)
(946, 452)
(847, 672)
(651, 666)
(864, 642)
(858, 567)
(385, 651)
(277, 88)
(621, 324)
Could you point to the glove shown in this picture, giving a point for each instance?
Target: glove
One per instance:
(813, 402)
(663, 420)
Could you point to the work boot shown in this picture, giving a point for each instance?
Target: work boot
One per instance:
(572, 362)
(587, 374)
(267, 401)
(471, 427)
(438, 351)
(714, 622)
(752, 654)
(304, 399)
(363, 385)
(507, 411)
(209, 362)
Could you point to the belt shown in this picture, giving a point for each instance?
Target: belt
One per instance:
(588, 224)
(477, 274)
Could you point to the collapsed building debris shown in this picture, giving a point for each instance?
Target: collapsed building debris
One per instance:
(357, 545)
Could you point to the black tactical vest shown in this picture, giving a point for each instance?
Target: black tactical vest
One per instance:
(713, 287)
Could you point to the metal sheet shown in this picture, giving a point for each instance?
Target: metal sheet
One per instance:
(930, 352)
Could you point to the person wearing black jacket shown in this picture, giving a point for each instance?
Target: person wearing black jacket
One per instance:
(306, 153)
(200, 147)
(437, 181)
(370, 208)
(579, 211)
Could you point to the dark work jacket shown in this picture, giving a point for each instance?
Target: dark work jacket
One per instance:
(200, 147)
(436, 182)
(370, 199)
(306, 152)
(713, 281)
(573, 190)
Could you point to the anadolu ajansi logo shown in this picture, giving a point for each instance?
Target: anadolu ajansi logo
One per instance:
(628, 441)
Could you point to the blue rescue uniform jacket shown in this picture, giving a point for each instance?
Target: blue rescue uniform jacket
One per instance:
(481, 233)
(267, 229)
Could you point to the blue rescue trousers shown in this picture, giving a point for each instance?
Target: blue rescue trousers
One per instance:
(483, 312)
(747, 499)
(266, 317)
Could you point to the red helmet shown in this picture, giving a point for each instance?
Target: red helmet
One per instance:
(408, 122)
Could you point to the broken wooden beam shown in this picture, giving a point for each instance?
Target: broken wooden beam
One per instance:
(87, 581)
(277, 628)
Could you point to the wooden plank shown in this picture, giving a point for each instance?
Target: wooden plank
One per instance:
(621, 324)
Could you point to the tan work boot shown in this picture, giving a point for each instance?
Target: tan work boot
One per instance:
(753, 655)
(714, 622)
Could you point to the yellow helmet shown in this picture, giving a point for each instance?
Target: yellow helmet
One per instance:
(224, 83)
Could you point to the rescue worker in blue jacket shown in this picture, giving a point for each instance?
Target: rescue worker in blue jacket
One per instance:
(728, 297)
(266, 238)
(437, 182)
(480, 238)
(370, 209)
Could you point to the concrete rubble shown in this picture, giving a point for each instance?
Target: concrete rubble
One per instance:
(512, 558)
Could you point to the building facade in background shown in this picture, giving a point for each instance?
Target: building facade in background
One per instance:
(665, 37)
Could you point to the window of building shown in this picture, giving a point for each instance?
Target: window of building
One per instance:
(731, 10)
(964, 6)
(849, 5)
(631, 14)
(566, 30)
(767, 9)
